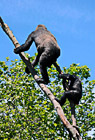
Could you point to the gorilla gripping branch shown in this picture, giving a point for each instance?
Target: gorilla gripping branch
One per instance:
(57, 106)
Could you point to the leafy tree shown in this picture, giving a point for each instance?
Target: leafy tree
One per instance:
(27, 113)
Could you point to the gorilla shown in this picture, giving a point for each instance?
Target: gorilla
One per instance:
(73, 89)
(48, 51)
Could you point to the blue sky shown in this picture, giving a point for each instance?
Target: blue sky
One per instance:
(71, 21)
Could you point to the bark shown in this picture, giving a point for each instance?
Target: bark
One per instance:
(57, 106)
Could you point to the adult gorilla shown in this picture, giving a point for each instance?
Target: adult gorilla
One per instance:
(48, 51)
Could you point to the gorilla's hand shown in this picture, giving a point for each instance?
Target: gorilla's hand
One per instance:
(16, 50)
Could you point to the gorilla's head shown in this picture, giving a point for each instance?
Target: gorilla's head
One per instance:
(41, 26)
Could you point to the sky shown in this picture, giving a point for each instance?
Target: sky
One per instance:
(72, 22)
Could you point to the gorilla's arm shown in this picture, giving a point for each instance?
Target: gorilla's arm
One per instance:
(26, 46)
(58, 68)
(64, 82)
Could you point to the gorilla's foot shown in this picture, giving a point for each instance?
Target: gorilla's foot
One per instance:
(40, 80)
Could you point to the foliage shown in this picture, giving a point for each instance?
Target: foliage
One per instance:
(27, 113)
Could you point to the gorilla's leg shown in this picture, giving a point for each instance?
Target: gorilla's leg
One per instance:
(27, 70)
(73, 95)
(62, 100)
(45, 78)
(36, 60)
(43, 71)
(34, 63)
(43, 63)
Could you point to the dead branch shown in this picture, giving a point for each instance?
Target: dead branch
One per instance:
(57, 106)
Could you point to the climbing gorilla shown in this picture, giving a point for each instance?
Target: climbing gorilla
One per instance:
(73, 89)
(48, 51)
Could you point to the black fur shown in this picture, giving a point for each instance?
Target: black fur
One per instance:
(73, 88)
(47, 47)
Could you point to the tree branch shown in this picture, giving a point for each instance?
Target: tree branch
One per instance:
(57, 106)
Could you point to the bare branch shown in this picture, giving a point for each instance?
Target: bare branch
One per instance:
(58, 108)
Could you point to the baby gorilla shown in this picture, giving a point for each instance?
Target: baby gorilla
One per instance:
(73, 89)
(48, 51)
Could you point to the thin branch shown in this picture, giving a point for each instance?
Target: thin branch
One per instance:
(58, 108)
